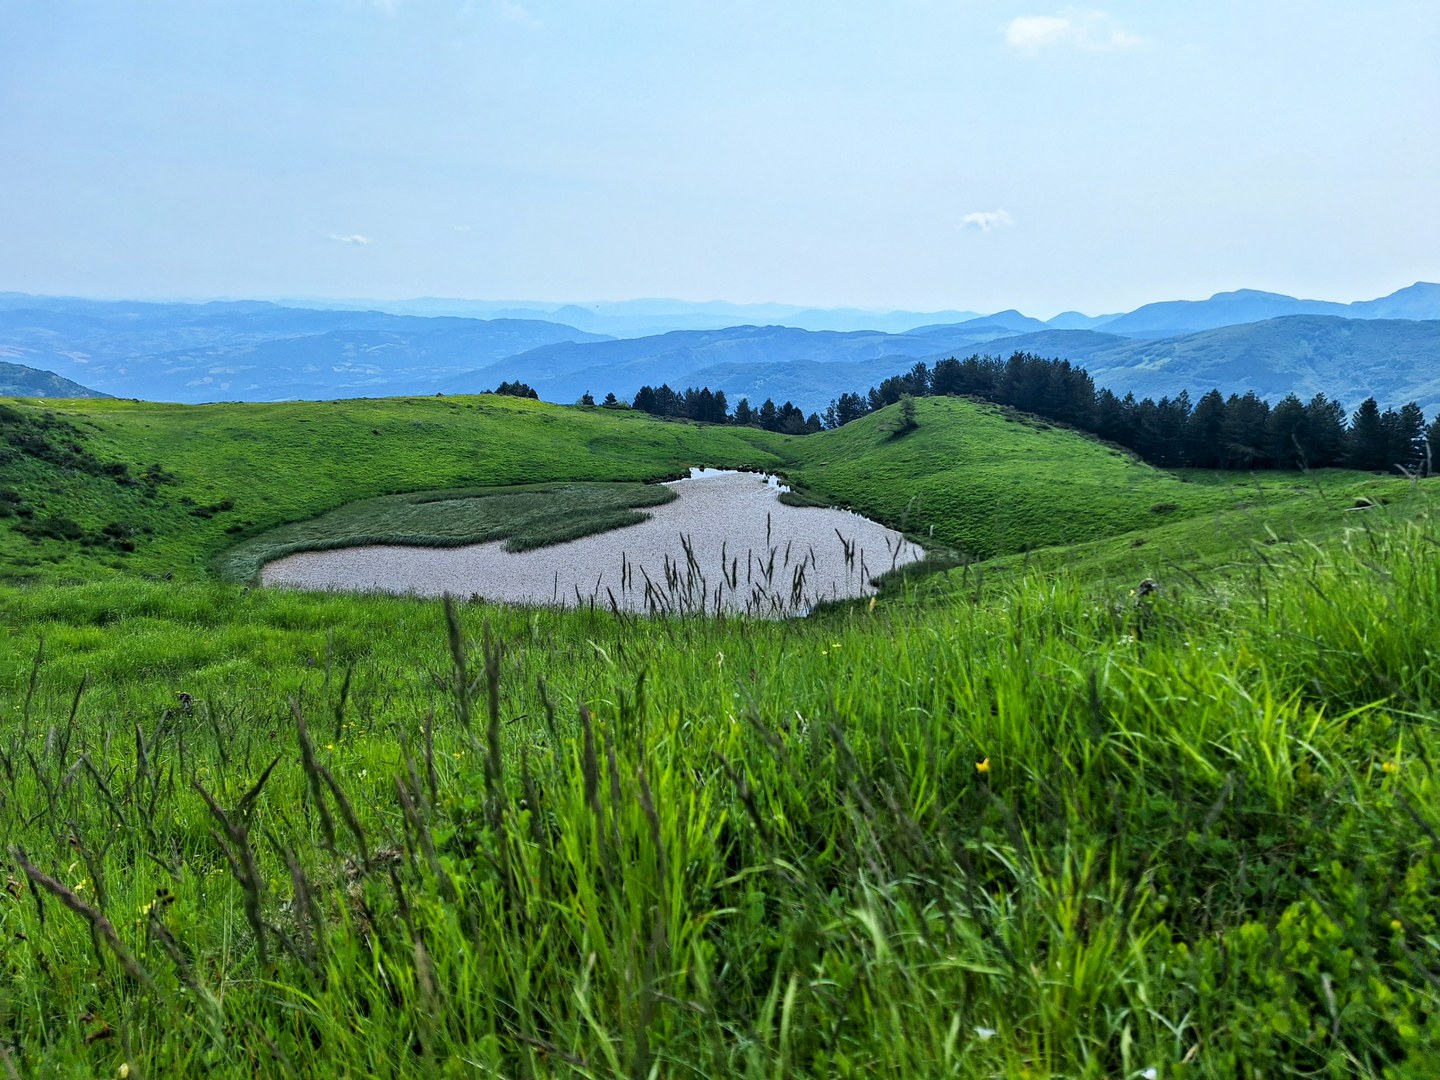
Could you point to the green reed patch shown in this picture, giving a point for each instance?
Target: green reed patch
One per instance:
(523, 517)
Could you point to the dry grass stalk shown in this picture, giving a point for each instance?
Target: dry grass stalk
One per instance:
(241, 857)
(312, 775)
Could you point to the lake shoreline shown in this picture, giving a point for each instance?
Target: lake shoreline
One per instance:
(725, 544)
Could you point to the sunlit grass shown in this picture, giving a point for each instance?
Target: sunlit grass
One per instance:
(1203, 841)
(1158, 801)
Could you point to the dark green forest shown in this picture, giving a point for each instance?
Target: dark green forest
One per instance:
(1216, 432)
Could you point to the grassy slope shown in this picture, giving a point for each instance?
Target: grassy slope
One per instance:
(988, 481)
(1195, 840)
(1262, 517)
(290, 462)
(1204, 841)
(970, 477)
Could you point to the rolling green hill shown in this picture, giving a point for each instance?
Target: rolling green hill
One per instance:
(200, 478)
(197, 480)
(1031, 819)
(989, 481)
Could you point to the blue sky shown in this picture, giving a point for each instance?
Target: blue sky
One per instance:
(913, 153)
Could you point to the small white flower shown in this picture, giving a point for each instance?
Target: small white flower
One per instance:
(985, 1033)
(1150, 1073)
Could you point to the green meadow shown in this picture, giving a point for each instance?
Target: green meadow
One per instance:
(1142, 785)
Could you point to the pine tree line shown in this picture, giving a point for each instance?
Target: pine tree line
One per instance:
(1242, 431)
(713, 408)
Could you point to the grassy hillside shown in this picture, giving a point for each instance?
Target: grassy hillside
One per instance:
(169, 489)
(1064, 831)
(118, 486)
(201, 478)
(1034, 822)
(990, 481)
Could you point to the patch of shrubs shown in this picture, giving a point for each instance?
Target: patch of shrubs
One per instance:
(11, 503)
(214, 508)
(120, 535)
(51, 528)
(45, 437)
(154, 476)
(116, 536)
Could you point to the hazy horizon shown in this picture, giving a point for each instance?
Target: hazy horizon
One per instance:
(680, 303)
(922, 156)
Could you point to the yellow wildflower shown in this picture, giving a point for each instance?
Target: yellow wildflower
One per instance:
(1390, 767)
(982, 767)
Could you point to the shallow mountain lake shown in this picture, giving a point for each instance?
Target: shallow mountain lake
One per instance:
(725, 544)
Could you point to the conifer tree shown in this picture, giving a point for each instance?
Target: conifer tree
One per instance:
(767, 417)
(1287, 433)
(1243, 432)
(1405, 432)
(1366, 444)
(1325, 422)
(1204, 433)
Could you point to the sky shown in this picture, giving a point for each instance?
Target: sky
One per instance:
(911, 154)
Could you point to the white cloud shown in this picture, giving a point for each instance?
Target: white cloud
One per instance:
(1089, 31)
(986, 220)
(509, 11)
(353, 238)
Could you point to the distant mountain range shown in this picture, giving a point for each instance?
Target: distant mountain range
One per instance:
(1176, 317)
(262, 351)
(644, 318)
(256, 351)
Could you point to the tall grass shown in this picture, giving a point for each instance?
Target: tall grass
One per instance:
(1047, 828)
